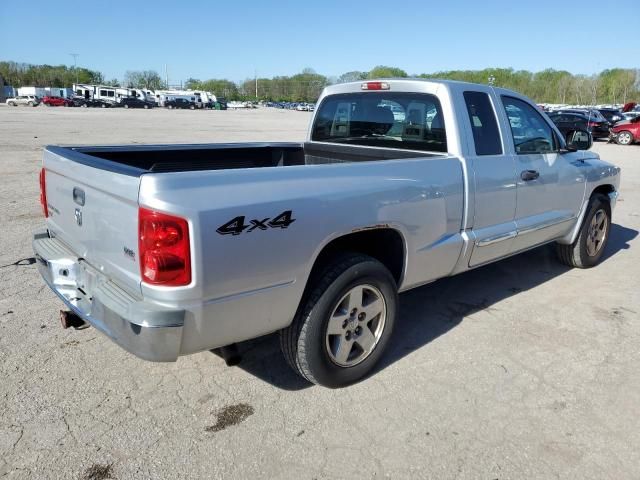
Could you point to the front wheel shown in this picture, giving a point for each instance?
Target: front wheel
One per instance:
(588, 248)
(343, 323)
(126, 106)
(624, 138)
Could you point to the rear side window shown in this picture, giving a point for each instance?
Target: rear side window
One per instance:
(484, 125)
(411, 121)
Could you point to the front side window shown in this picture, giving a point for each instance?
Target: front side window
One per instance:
(411, 121)
(484, 125)
(531, 134)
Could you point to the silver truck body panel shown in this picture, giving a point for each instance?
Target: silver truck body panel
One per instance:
(109, 217)
(454, 211)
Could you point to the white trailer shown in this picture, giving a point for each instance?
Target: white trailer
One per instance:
(200, 98)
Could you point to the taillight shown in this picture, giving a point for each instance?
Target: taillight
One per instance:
(375, 86)
(163, 244)
(593, 124)
(43, 193)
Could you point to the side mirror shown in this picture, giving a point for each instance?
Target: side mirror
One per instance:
(579, 140)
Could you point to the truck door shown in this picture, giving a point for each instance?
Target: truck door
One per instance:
(550, 184)
(493, 177)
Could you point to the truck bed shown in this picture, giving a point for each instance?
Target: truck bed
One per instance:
(136, 160)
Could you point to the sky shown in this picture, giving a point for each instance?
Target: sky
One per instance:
(235, 40)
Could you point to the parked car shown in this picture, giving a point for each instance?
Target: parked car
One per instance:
(631, 115)
(591, 113)
(133, 102)
(171, 250)
(627, 132)
(180, 103)
(28, 100)
(57, 102)
(221, 103)
(567, 122)
(612, 115)
(91, 102)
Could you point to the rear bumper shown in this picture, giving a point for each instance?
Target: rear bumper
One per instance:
(145, 329)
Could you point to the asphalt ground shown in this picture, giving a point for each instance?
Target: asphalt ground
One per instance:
(523, 369)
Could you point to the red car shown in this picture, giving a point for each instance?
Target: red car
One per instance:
(626, 133)
(57, 102)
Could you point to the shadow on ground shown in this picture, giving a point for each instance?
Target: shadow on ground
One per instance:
(432, 310)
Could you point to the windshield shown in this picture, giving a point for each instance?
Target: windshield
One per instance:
(411, 121)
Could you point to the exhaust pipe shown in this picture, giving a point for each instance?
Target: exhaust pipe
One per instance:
(70, 319)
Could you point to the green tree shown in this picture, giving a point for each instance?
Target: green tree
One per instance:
(382, 71)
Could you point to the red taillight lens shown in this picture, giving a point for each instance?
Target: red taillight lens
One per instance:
(593, 124)
(43, 193)
(163, 244)
(375, 86)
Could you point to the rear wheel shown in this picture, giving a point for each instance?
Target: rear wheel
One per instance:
(30, 104)
(192, 107)
(343, 323)
(624, 138)
(588, 248)
(103, 105)
(126, 105)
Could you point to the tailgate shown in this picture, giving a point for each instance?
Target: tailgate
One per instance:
(95, 212)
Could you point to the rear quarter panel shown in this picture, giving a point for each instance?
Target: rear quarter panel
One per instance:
(260, 275)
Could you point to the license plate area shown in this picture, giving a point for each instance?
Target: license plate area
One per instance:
(87, 280)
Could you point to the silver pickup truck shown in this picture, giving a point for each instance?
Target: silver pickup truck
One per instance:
(175, 249)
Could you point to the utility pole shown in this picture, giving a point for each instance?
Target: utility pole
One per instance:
(255, 75)
(75, 64)
(166, 76)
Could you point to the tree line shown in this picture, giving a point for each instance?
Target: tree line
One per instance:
(617, 85)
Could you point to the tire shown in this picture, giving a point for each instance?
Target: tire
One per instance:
(12, 104)
(103, 105)
(146, 107)
(192, 107)
(588, 248)
(624, 138)
(126, 105)
(30, 104)
(343, 286)
(84, 105)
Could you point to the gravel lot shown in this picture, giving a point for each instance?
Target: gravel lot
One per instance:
(522, 369)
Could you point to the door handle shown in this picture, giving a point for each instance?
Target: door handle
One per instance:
(528, 175)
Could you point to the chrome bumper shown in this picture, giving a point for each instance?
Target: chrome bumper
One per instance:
(147, 330)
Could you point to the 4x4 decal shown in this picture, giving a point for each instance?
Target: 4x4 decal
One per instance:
(237, 225)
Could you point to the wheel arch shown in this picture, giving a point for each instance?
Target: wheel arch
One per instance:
(605, 189)
(385, 244)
